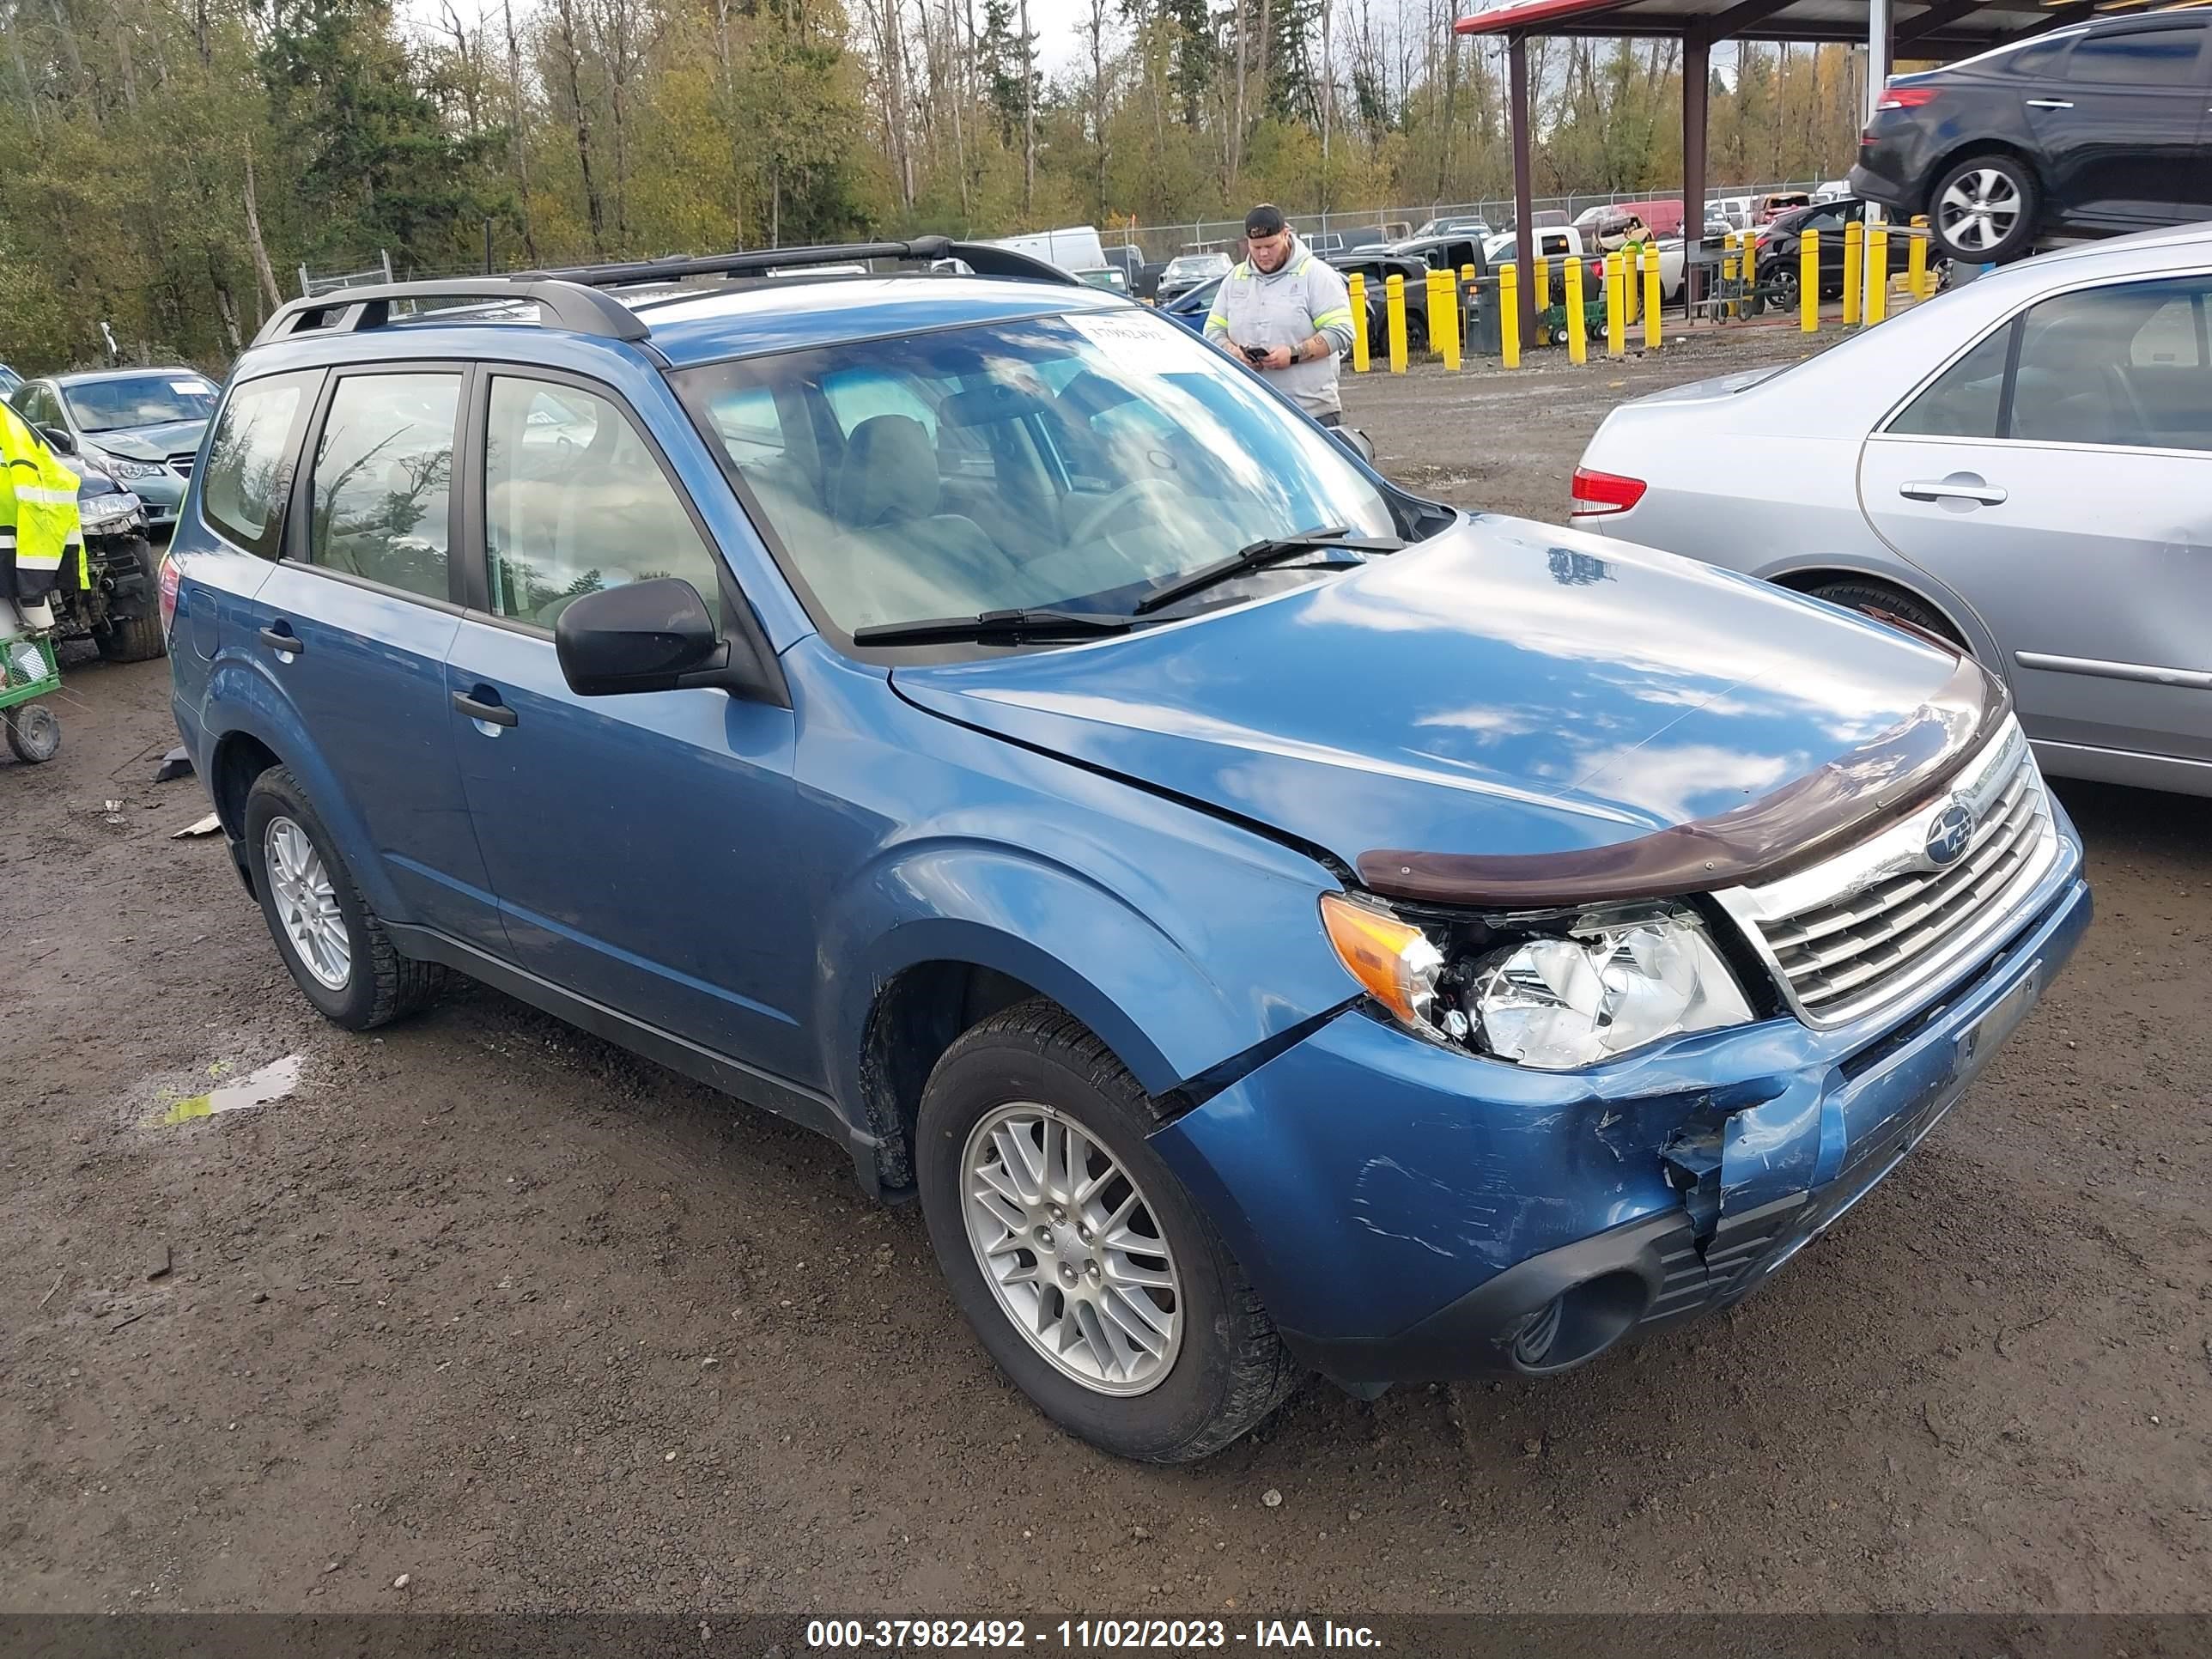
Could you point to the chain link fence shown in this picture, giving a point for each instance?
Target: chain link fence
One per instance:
(1366, 224)
(1164, 241)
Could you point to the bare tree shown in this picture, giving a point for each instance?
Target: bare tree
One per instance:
(515, 127)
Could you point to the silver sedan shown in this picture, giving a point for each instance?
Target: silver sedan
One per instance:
(2023, 464)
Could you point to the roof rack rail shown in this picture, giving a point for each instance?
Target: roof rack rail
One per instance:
(572, 299)
(984, 258)
(569, 305)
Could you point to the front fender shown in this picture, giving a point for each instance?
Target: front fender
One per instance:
(1170, 1011)
(241, 698)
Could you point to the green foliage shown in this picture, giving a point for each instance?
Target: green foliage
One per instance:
(581, 129)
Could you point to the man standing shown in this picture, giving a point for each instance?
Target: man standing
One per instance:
(39, 526)
(1286, 313)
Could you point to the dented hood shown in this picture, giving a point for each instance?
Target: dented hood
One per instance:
(1508, 713)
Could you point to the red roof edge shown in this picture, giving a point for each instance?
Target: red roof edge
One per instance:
(1529, 14)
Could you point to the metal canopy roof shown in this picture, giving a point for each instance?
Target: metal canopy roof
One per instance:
(1922, 28)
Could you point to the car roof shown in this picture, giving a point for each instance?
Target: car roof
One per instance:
(93, 376)
(689, 324)
(743, 319)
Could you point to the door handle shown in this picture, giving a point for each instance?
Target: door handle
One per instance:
(492, 714)
(2050, 103)
(278, 639)
(1951, 490)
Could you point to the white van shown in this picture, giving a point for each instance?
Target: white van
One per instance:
(1076, 248)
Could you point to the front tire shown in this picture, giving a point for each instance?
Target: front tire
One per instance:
(337, 952)
(1083, 1265)
(135, 639)
(1984, 210)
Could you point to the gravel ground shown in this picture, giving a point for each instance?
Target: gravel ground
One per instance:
(494, 1306)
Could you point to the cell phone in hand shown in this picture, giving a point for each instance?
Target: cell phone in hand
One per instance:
(1255, 354)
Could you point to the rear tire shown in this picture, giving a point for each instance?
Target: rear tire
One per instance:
(312, 905)
(1880, 600)
(1219, 1368)
(1984, 210)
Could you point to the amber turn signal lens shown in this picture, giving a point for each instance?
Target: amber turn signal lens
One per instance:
(1393, 959)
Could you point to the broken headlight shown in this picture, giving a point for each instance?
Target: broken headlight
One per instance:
(1604, 987)
(1554, 992)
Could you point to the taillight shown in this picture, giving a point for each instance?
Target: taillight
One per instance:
(1597, 494)
(168, 583)
(1905, 98)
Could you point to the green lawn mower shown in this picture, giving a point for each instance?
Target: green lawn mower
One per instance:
(27, 672)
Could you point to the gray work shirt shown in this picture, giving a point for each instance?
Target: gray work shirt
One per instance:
(1303, 296)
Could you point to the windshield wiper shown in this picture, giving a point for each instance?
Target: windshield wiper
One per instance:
(1259, 555)
(1012, 626)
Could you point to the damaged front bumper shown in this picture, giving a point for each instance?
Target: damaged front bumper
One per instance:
(1413, 1213)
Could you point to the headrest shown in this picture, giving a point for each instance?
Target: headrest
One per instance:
(890, 473)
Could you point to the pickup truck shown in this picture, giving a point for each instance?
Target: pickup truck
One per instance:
(1572, 241)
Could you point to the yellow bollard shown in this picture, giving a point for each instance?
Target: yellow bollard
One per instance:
(1543, 283)
(1394, 307)
(1358, 285)
(1466, 275)
(1727, 257)
(1571, 295)
(1444, 316)
(1808, 281)
(1652, 317)
(1877, 253)
(1616, 306)
(1508, 314)
(1433, 310)
(1916, 260)
(1854, 268)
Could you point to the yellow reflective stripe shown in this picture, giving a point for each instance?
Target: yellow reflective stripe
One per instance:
(1341, 314)
(26, 559)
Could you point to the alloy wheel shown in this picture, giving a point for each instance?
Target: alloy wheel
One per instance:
(307, 904)
(1071, 1248)
(1980, 208)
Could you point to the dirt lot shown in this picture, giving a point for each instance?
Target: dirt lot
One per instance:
(494, 1306)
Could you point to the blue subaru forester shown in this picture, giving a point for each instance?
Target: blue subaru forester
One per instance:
(1270, 922)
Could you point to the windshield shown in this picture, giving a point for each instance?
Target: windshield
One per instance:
(156, 399)
(1069, 463)
(1197, 264)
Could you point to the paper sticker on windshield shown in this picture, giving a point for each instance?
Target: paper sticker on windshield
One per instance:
(1147, 345)
(190, 388)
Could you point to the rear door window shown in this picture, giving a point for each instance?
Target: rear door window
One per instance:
(383, 481)
(249, 466)
(2126, 365)
(2139, 58)
(1966, 400)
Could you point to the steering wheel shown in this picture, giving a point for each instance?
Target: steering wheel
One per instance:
(1128, 495)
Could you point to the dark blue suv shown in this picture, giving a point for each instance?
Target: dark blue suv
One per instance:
(1272, 922)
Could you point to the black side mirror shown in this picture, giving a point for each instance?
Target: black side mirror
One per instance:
(1355, 440)
(655, 636)
(58, 439)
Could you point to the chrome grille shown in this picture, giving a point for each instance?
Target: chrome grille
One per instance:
(1868, 927)
(182, 464)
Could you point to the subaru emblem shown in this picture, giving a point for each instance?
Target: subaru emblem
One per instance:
(1949, 833)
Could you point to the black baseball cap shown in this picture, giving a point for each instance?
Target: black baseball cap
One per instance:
(1265, 220)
